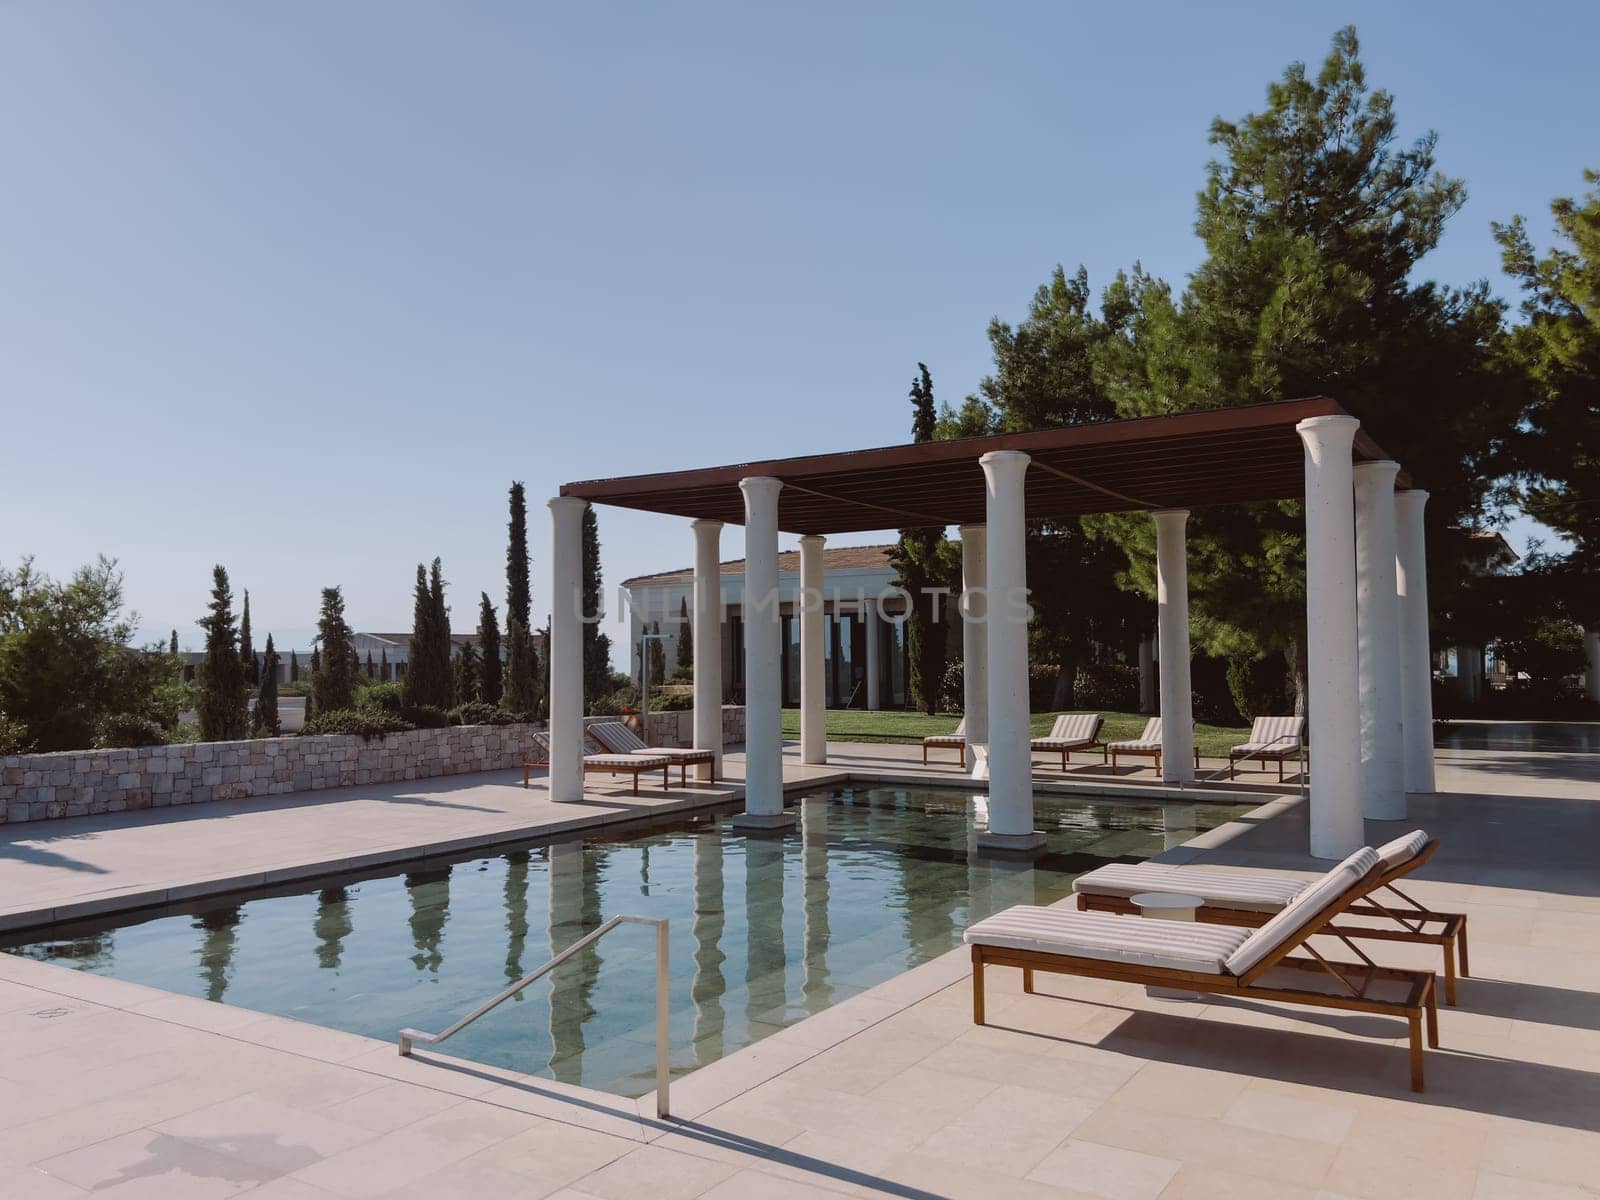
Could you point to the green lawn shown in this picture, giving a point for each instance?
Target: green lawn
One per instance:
(858, 725)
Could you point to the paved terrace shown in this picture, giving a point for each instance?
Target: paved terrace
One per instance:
(1089, 1088)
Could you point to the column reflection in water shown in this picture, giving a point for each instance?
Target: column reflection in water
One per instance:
(516, 901)
(430, 912)
(815, 989)
(1177, 824)
(766, 993)
(574, 912)
(931, 891)
(332, 925)
(220, 927)
(709, 984)
(978, 905)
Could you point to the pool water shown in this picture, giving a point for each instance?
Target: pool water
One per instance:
(765, 930)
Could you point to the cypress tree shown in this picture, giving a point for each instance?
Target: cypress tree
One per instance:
(294, 667)
(333, 675)
(521, 693)
(442, 644)
(489, 639)
(371, 668)
(917, 558)
(596, 645)
(468, 674)
(383, 665)
(266, 722)
(172, 646)
(222, 707)
(658, 656)
(247, 649)
(685, 638)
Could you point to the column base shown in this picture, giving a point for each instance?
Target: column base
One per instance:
(1012, 843)
(762, 822)
(978, 768)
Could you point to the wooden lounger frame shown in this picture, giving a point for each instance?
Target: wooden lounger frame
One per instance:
(1297, 754)
(685, 758)
(1065, 751)
(1410, 919)
(1354, 978)
(960, 747)
(611, 768)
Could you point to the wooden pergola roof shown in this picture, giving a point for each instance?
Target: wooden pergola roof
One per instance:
(1185, 460)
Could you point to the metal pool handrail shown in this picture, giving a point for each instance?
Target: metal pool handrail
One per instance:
(408, 1036)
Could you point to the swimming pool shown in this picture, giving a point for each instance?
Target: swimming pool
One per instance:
(765, 930)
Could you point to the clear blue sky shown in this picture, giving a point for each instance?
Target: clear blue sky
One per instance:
(300, 287)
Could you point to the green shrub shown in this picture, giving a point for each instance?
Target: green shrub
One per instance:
(117, 731)
(14, 737)
(476, 712)
(672, 702)
(1259, 685)
(1106, 687)
(365, 723)
(1042, 678)
(425, 716)
(952, 696)
(382, 697)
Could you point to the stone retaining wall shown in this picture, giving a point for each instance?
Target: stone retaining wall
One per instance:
(35, 787)
(677, 728)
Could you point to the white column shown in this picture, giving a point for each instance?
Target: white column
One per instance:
(1006, 627)
(1383, 788)
(1336, 828)
(566, 648)
(763, 734)
(870, 617)
(813, 695)
(1172, 620)
(1416, 663)
(707, 619)
(1591, 669)
(975, 645)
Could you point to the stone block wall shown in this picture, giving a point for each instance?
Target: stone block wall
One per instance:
(36, 787)
(677, 728)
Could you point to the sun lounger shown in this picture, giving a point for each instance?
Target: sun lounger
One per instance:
(1072, 731)
(619, 739)
(956, 741)
(1276, 739)
(1228, 961)
(610, 764)
(1251, 898)
(1146, 745)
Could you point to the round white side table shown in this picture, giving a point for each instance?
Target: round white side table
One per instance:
(1167, 906)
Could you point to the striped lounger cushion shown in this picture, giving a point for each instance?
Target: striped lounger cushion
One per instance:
(1175, 945)
(1247, 891)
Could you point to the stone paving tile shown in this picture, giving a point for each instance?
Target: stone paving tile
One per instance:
(1106, 1171)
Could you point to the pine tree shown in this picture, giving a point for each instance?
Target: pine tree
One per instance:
(596, 645)
(919, 558)
(685, 639)
(222, 708)
(521, 692)
(266, 719)
(294, 667)
(468, 674)
(489, 639)
(247, 648)
(333, 675)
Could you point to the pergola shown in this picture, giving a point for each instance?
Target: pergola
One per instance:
(1366, 597)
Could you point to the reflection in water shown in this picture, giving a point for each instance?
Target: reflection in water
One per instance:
(516, 898)
(574, 912)
(332, 925)
(707, 988)
(877, 880)
(216, 948)
(764, 957)
(815, 992)
(430, 911)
